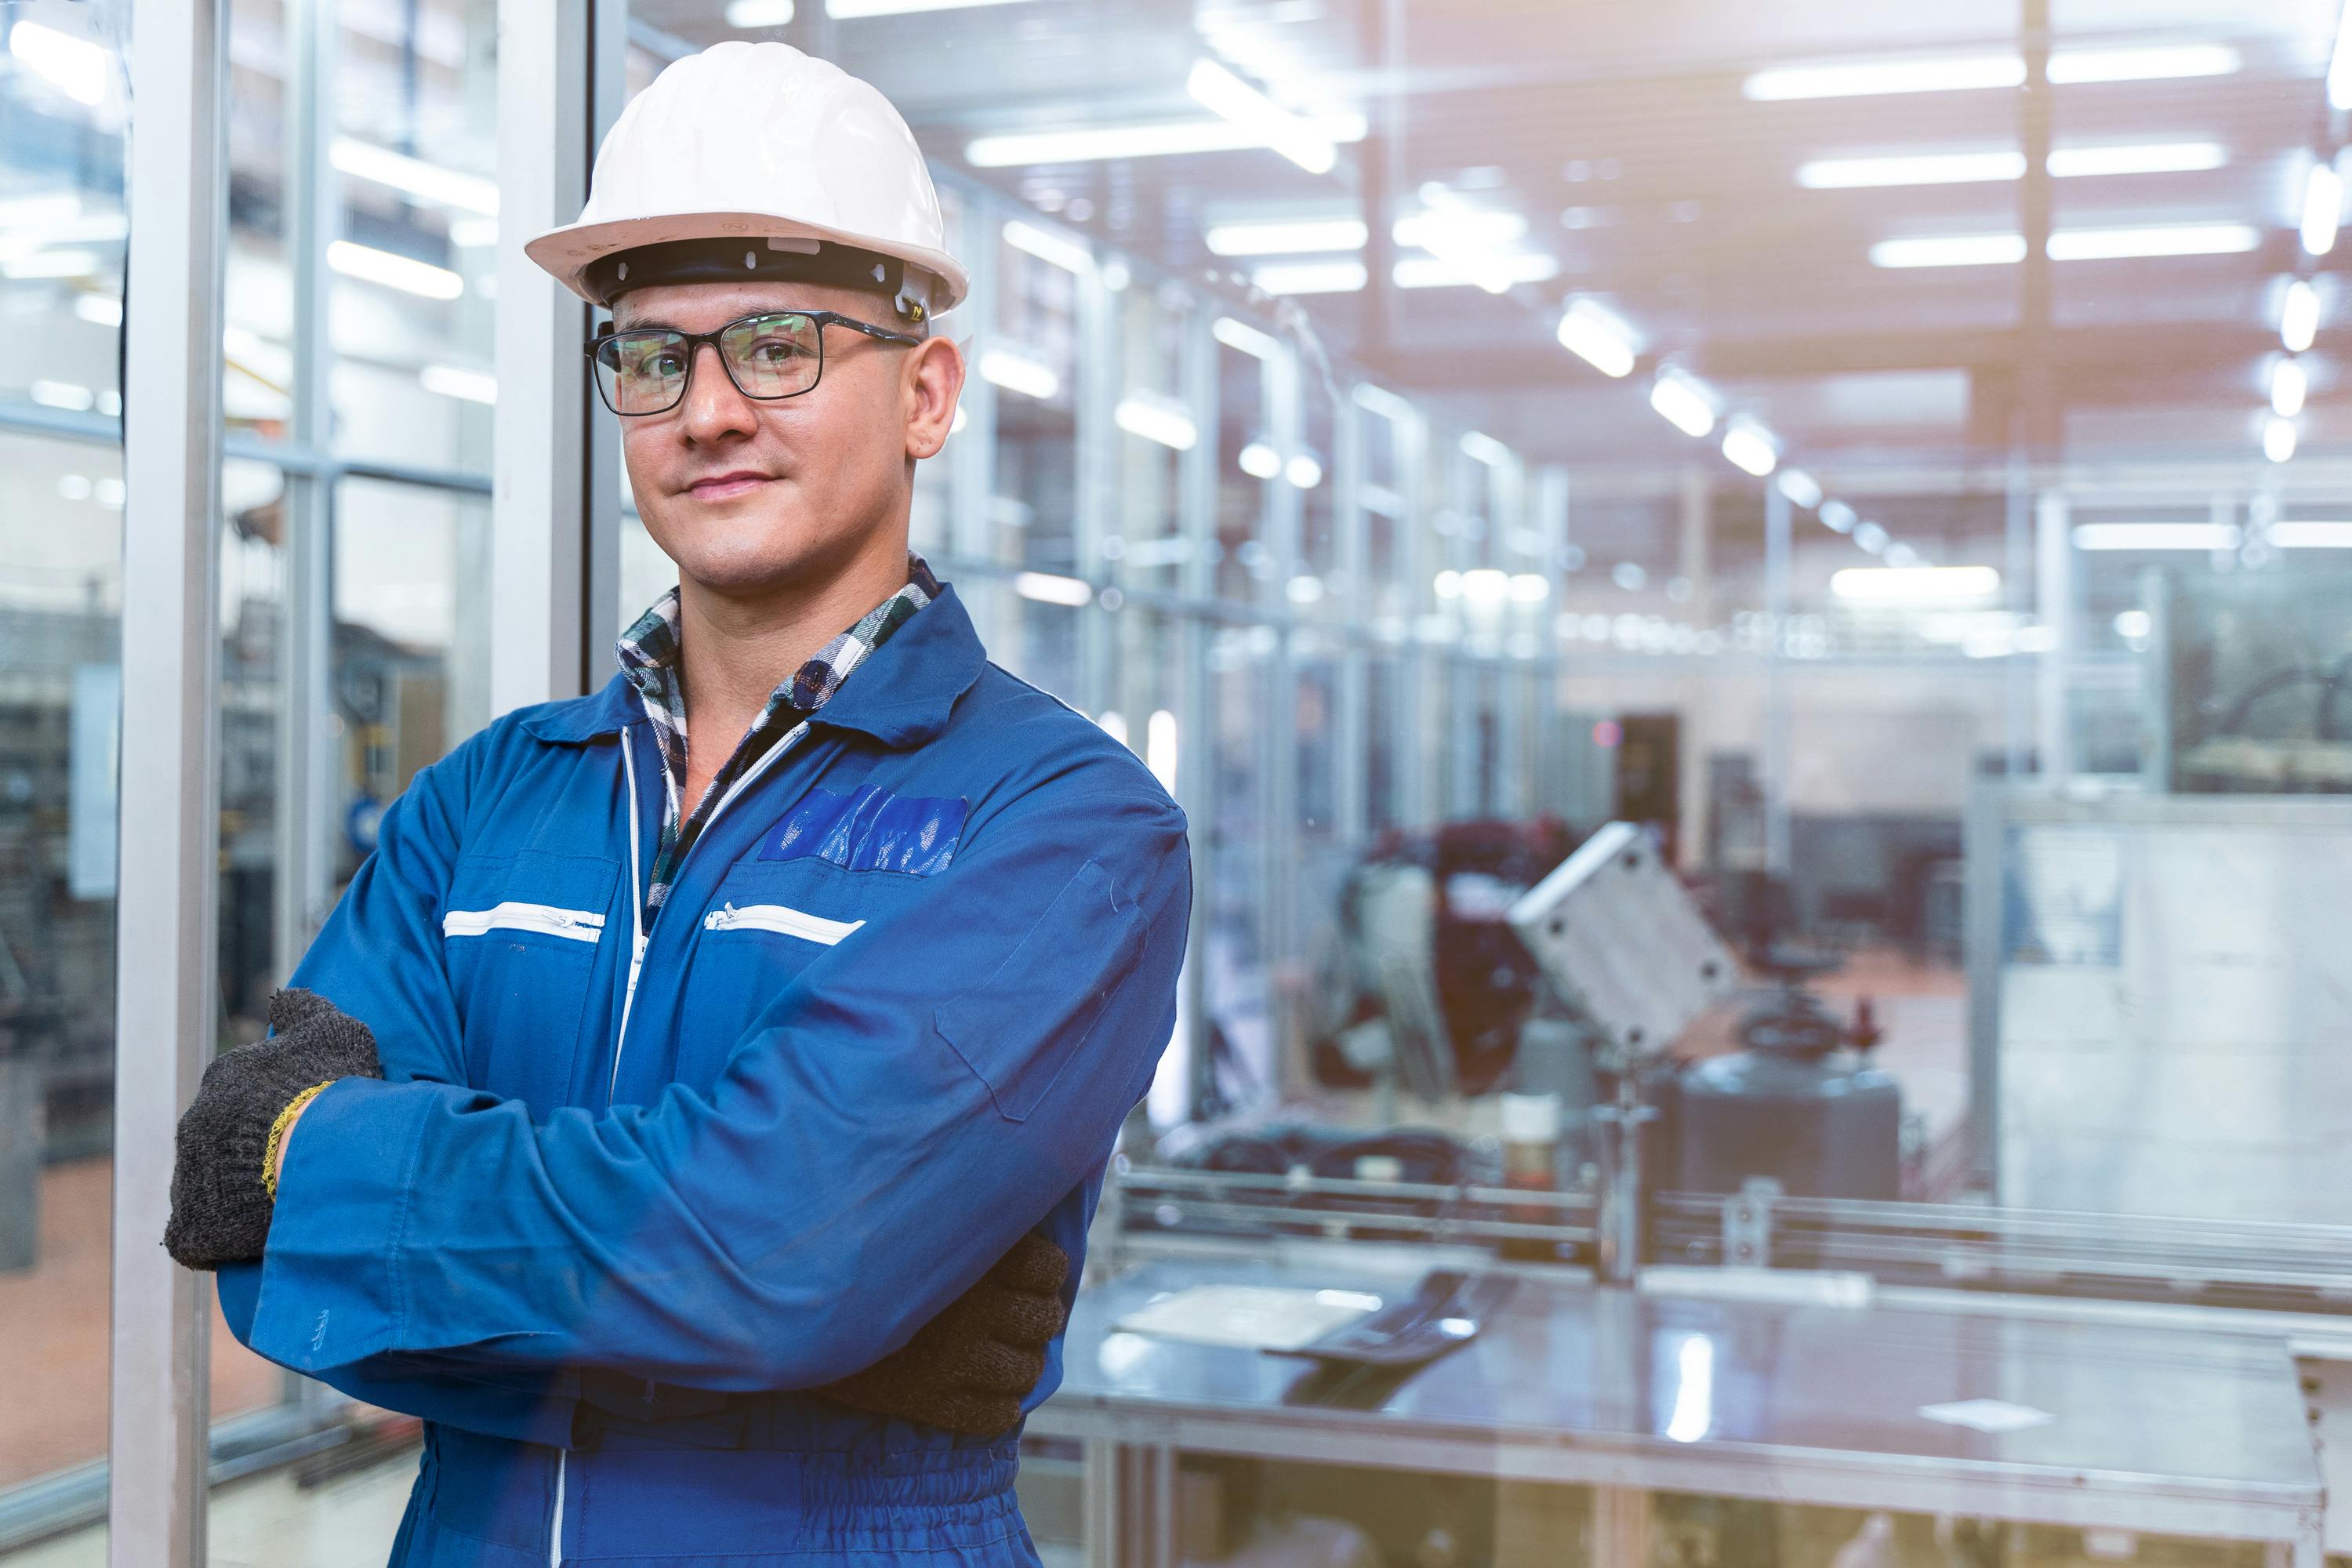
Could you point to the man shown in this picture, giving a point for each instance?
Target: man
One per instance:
(718, 1073)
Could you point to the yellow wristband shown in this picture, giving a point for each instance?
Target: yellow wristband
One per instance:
(278, 1135)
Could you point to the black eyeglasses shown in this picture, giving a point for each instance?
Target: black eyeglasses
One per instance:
(777, 354)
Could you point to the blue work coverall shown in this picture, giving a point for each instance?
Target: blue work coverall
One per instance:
(626, 1184)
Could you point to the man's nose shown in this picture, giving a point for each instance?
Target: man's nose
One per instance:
(715, 408)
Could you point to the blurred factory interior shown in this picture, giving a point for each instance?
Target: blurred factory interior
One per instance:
(1750, 605)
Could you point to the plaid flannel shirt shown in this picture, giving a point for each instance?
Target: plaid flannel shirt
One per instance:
(649, 652)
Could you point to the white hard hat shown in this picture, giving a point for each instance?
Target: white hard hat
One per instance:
(810, 169)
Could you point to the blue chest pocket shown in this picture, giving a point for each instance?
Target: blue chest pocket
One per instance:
(870, 829)
(520, 935)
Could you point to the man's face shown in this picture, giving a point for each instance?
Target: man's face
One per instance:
(750, 494)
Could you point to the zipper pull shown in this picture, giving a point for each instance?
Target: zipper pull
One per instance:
(637, 955)
(723, 916)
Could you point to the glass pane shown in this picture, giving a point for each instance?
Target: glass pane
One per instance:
(411, 641)
(1245, 463)
(1240, 841)
(1155, 428)
(1031, 359)
(60, 598)
(412, 302)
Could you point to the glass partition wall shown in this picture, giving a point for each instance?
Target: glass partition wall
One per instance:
(1334, 619)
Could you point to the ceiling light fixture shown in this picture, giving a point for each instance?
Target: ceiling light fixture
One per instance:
(1260, 461)
(1246, 338)
(1286, 236)
(1157, 418)
(2311, 535)
(2170, 240)
(1310, 278)
(1950, 251)
(413, 176)
(1069, 255)
(851, 10)
(2278, 439)
(1750, 447)
(1799, 487)
(2162, 62)
(1017, 371)
(2137, 158)
(1897, 584)
(1303, 471)
(1871, 537)
(405, 273)
(454, 381)
(1597, 337)
(1685, 405)
(2323, 208)
(1051, 589)
(1494, 273)
(1837, 517)
(2289, 384)
(2299, 316)
(2339, 62)
(1299, 140)
(749, 15)
(1085, 145)
(1871, 78)
(1482, 447)
(2206, 536)
(1923, 169)
(75, 66)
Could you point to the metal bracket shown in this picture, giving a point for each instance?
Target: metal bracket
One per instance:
(1747, 1224)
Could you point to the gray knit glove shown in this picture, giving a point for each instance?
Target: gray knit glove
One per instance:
(220, 1209)
(969, 1369)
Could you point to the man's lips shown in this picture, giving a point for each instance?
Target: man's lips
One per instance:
(724, 487)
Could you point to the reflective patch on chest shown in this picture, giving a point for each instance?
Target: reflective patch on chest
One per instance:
(869, 830)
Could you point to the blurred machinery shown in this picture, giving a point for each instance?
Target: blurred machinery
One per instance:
(2251, 688)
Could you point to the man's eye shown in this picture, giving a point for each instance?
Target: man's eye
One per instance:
(775, 350)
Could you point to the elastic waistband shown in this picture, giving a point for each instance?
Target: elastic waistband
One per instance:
(779, 1423)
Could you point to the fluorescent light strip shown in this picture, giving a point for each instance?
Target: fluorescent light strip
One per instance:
(2137, 158)
(1068, 255)
(1486, 449)
(453, 381)
(1950, 251)
(1228, 96)
(1449, 272)
(1049, 588)
(51, 264)
(2278, 439)
(1871, 537)
(1870, 79)
(2206, 536)
(749, 15)
(1953, 73)
(2068, 244)
(1018, 373)
(2170, 240)
(404, 273)
(2289, 384)
(853, 10)
(1598, 338)
(2311, 535)
(1901, 585)
(1923, 169)
(2339, 62)
(1685, 404)
(2323, 209)
(1799, 487)
(2070, 68)
(1085, 144)
(1290, 236)
(75, 66)
(2298, 316)
(1310, 278)
(1837, 517)
(1157, 418)
(1453, 228)
(1750, 449)
(413, 176)
(1246, 338)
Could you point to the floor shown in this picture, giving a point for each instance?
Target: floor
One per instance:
(53, 1358)
(270, 1521)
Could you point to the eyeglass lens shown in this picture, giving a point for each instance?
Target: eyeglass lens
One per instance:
(766, 356)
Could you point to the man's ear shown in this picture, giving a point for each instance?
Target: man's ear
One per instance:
(931, 384)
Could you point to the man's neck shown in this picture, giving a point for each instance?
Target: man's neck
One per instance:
(734, 652)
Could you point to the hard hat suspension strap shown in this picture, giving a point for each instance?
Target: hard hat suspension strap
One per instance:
(766, 259)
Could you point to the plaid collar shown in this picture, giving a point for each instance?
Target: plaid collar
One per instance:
(650, 657)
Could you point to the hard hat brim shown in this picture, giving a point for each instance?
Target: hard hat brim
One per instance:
(566, 253)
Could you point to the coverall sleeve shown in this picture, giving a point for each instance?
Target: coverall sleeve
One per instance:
(391, 908)
(911, 1102)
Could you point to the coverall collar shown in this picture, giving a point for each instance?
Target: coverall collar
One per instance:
(901, 696)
